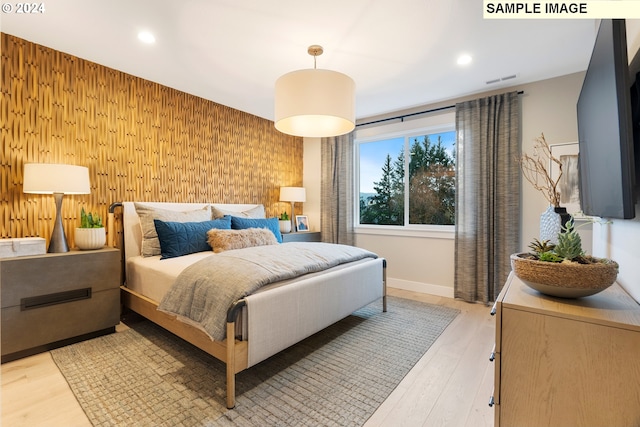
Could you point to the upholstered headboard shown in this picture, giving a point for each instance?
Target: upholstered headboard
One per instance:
(131, 222)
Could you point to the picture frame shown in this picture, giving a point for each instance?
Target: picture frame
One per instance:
(569, 185)
(302, 223)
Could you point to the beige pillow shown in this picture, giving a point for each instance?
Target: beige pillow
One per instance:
(146, 213)
(257, 212)
(226, 240)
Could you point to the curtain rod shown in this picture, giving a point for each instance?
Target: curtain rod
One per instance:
(403, 116)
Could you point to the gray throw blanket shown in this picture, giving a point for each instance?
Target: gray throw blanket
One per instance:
(204, 291)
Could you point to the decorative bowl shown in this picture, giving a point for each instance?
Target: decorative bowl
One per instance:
(565, 280)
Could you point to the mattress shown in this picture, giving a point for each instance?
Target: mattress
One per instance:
(152, 277)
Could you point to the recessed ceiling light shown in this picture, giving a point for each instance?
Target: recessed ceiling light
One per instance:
(146, 37)
(464, 59)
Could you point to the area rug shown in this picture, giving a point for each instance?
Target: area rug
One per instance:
(145, 376)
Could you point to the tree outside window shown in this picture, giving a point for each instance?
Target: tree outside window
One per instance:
(430, 186)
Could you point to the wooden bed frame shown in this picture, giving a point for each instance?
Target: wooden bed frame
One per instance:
(234, 353)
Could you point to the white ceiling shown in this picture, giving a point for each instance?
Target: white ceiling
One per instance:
(400, 53)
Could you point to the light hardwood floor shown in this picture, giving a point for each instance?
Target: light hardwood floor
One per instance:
(450, 385)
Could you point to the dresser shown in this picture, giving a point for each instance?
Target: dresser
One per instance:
(566, 362)
(55, 299)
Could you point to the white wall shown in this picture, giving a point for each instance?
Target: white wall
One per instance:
(415, 263)
(425, 264)
(620, 241)
(548, 107)
(311, 173)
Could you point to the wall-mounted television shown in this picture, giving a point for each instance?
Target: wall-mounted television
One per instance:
(605, 128)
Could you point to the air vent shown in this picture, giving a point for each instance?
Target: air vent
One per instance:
(501, 79)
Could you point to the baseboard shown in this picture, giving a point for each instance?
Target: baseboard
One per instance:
(425, 288)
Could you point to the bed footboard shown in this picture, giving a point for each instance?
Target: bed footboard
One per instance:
(288, 314)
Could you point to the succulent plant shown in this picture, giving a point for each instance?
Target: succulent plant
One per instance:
(541, 247)
(569, 245)
(89, 220)
(567, 250)
(284, 216)
(549, 257)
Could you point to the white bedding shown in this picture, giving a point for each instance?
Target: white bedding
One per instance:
(152, 277)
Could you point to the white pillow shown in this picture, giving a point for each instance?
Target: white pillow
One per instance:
(256, 213)
(150, 242)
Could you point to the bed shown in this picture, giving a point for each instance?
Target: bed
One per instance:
(259, 325)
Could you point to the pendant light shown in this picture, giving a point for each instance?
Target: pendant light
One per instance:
(315, 103)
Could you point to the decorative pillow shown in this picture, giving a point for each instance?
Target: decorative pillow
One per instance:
(226, 240)
(257, 212)
(150, 242)
(184, 238)
(268, 223)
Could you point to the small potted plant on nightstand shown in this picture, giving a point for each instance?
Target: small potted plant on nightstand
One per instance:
(285, 223)
(91, 234)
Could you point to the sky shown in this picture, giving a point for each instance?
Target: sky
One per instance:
(373, 155)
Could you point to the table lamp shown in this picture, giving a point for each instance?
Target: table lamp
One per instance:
(56, 179)
(293, 195)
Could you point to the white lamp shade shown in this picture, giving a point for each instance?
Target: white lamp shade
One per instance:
(315, 103)
(293, 194)
(50, 178)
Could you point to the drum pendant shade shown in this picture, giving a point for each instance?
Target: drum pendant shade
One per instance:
(315, 103)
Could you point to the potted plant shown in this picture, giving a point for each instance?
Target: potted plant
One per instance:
(536, 169)
(285, 223)
(563, 269)
(91, 234)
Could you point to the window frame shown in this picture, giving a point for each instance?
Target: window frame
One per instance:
(408, 130)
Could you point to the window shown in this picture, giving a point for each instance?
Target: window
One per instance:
(407, 180)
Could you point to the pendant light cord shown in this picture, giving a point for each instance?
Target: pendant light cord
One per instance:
(315, 50)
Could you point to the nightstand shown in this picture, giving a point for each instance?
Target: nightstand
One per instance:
(55, 299)
(301, 236)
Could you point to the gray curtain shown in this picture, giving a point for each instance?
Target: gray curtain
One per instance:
(487, 195)
(337, 194)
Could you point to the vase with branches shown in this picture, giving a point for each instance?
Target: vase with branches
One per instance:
(536, 169)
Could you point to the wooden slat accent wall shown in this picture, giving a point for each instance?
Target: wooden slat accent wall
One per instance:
(140, 140)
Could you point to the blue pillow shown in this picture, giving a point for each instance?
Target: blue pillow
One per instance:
(272, 224)
(183, 238)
